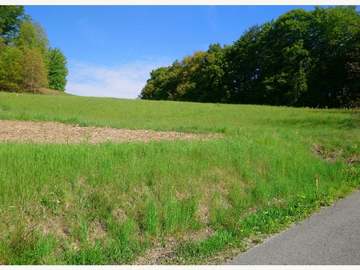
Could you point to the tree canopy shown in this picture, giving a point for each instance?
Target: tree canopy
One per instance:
(57, 69)
(303, 58)
(10, 19)
(27, 63)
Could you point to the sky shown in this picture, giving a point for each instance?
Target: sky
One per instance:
(112, 49)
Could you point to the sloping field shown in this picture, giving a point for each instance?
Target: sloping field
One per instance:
(177, 201)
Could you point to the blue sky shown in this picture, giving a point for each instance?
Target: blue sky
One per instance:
(112, 49)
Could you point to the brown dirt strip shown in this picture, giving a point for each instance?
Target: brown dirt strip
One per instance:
(53, 132)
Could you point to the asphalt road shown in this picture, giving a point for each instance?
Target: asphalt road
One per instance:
(331, 236)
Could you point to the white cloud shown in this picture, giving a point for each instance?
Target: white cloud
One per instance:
(123, 81)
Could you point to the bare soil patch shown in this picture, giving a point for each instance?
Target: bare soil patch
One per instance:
(161, 252)
(53, 132)
(333, 156)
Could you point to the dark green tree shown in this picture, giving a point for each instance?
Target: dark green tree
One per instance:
(246, 67)
(10, 20)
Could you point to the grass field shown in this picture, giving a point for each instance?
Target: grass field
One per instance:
(167, 202)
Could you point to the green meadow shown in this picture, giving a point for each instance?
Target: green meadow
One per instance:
(190, 201)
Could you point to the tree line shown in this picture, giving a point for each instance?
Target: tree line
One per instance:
(27, 62)
(303, 58)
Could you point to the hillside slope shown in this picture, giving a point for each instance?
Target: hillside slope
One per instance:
(167, 201)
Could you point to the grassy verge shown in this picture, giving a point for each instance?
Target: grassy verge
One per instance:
(167, 202)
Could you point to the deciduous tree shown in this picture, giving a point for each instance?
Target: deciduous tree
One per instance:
(57, 70)
(34, 70)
